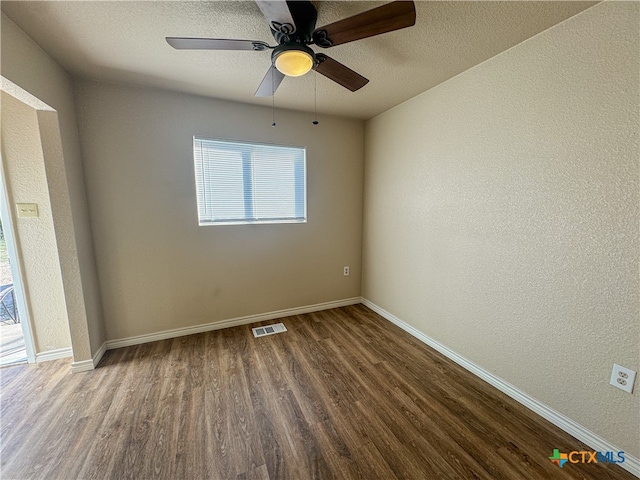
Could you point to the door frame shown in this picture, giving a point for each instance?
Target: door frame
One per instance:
(6, 214)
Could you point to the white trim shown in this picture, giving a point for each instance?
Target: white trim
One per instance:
(232, 322)
(53, 354)
(631, 464)
(87, 365)
(13, 250)
(98, 355)
(82, 366)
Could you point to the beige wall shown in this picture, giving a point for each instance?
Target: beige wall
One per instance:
(26, 180)
(501, 216)
(28, 66)
(158, 269)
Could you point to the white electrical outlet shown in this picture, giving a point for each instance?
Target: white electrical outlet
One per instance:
(345, 272)
(623, 378)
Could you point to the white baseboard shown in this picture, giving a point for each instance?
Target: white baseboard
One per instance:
(86, 365)
(232, 322)
(98, 356)
(54, 354)
(631, 464)
(82, 366)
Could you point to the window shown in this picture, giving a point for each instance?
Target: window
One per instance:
(238, 182)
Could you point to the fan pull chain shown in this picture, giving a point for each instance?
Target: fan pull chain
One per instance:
(315, 99)
(273, 101)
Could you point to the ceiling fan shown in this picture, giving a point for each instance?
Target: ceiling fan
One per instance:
(293, 25)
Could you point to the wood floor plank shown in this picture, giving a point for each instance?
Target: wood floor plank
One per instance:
(343, 394)
(241, 421)
(266, 394)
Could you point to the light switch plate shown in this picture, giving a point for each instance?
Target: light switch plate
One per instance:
(27, 210)
(623, 378)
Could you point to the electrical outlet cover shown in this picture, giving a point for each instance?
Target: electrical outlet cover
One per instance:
(26, 210)
(623, 378)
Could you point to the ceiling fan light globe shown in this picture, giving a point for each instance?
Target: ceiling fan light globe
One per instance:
(294, 63)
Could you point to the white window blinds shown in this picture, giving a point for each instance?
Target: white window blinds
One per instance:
(238, 182)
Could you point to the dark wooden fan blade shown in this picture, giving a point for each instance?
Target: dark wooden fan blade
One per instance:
(270, 82)
(278, 15)
(337, 72)
(387, 18)
(215, 44)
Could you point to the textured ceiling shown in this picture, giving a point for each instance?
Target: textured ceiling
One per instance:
(124, 42)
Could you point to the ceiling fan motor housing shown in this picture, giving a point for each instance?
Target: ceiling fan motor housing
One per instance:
(304, 15)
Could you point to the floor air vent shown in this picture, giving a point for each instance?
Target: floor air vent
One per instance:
(269, 330)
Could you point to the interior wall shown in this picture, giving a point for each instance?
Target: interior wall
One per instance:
(501, 216)
(26, 179)
(158, 269)
(28, 66)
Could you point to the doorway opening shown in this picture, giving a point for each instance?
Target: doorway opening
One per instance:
(16, 342)
(12, 344)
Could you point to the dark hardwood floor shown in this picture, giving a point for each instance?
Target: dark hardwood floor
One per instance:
(343, 394)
